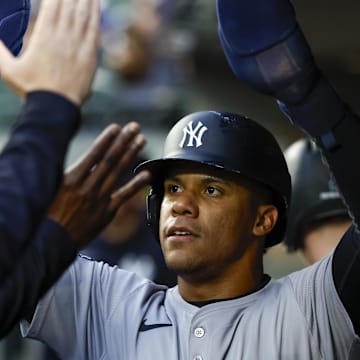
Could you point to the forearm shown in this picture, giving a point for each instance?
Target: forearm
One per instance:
(41, 264)
(336, 130)
(31, 168)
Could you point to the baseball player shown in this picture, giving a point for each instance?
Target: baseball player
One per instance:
(220, 195)
(31, 163)
(318, 217)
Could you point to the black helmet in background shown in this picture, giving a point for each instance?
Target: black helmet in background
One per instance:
(229, 142)
(315, 196)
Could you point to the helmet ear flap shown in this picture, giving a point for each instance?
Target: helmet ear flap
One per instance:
(153, 203)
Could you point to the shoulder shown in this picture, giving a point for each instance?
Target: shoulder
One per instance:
(103, 278)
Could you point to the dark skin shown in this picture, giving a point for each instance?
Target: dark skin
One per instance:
(212, 234)
(87, 200)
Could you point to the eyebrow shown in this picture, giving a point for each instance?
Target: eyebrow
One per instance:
(205, 180)
(212, 179)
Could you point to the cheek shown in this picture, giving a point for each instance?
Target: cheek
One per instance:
(231, 225)
(216, 223)
(220, 227)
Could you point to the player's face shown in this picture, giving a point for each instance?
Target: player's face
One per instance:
(206, 223)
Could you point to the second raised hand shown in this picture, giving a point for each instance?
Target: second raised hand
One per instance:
(87, 199)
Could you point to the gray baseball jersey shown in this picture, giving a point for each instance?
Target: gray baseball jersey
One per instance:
(99, 312)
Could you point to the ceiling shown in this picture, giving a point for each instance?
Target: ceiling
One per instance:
(333, 31)
(331, 27)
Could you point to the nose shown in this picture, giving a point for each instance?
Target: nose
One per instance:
(185, 204)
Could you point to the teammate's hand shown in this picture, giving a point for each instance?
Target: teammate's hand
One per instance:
(87, 200)
(62, 52)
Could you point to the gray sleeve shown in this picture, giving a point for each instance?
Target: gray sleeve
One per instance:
(327, 319)
(72, 316)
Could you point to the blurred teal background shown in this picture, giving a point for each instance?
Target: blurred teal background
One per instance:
(194, 76)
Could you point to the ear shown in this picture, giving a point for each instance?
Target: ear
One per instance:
(266, 218)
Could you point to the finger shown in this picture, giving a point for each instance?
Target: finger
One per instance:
(80, 170)
(92, 31)
(114, 155)
(67, 16)
(47, 15)
(121, 195)
(123, 164)
(89, 32)
(88, 20)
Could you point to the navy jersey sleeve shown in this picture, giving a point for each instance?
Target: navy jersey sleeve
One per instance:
(31, 168)
(39, 267)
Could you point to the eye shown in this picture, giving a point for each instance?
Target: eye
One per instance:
(172, 188)
(212, 191)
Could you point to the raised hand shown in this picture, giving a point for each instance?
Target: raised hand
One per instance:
(62, 52)
(266, 48)
(87, 199)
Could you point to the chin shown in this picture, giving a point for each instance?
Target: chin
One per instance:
(178, 262)
(183, 265)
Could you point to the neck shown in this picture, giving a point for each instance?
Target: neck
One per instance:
(236, 280)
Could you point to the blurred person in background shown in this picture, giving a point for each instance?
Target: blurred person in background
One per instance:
(318, 217)
(155, 30)
(147, 57)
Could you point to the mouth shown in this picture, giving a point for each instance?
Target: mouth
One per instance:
(179, 234)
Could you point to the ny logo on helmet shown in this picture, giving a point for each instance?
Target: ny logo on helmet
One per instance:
(193, 134)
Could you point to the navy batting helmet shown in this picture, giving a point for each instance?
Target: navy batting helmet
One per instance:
(314, 193)
(225, 141)
(14, 19)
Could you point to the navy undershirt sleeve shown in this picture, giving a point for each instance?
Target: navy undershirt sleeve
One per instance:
(40, 265)
(31, 168)
(33, 256)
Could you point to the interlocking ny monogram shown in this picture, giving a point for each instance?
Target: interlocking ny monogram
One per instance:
(193, 134)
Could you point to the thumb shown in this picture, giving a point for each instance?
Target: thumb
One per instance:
(6, 59)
